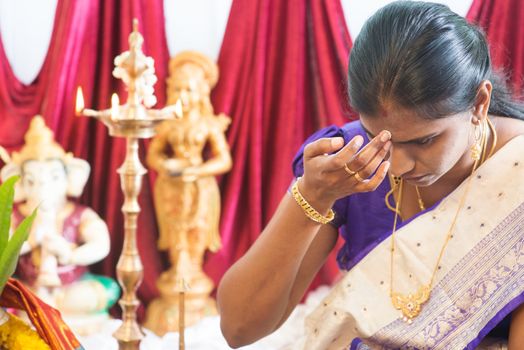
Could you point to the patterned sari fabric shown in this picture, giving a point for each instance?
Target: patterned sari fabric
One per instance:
(45, 319)
(479, 281)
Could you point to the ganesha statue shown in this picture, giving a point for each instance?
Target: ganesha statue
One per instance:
(66, 237)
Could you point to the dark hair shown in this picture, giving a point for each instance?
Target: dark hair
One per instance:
(424, 56)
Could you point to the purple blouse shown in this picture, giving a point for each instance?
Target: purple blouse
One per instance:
(363, 218)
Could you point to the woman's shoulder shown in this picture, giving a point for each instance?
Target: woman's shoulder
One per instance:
(507, 129)
(348, 131)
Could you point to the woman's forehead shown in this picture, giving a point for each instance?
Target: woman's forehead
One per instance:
(405, 125)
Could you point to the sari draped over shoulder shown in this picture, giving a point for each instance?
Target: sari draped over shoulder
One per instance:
(479, 281)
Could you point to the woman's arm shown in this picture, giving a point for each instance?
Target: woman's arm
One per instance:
(260, 290)
(516, 330)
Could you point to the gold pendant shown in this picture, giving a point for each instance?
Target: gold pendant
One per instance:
(410, 305)
(476, 151)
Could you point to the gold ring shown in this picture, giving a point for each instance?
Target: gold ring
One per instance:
(349, 171)
(358, 177)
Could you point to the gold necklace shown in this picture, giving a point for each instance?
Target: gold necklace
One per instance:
(410, 305)
(395, 181)
(420, 201)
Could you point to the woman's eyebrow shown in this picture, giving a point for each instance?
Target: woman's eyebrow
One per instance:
(415, 140)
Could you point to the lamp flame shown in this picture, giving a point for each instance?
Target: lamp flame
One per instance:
(79, 105)
(115, 105)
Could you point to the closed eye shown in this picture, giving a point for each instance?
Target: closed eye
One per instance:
(421, 141)
(424, 141)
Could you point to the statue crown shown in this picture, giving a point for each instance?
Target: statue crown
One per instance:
(39, 144)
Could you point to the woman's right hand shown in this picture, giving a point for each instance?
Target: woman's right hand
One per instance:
(329, 176)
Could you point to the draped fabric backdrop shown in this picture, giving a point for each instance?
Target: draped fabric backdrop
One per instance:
(283, 69)
(283, 66)
(502, 21)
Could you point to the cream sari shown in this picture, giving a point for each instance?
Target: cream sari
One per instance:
(480, 279)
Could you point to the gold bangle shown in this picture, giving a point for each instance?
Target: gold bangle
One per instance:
(308, 209)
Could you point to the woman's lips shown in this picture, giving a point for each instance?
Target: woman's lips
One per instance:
(418, 178)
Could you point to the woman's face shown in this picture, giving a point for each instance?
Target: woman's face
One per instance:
(424, 150)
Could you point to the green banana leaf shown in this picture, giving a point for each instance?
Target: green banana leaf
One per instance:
(7, 194)
(10, 247)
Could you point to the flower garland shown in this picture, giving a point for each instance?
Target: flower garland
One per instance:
(15, 334)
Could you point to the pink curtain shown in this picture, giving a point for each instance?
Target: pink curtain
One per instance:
(87, 35)
(502, 21)
(283, 68)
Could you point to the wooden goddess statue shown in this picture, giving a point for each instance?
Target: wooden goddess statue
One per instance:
(188, 152)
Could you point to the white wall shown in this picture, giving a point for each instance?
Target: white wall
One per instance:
(25, 31)
(26, 26)
(196, 25)
(357, 12)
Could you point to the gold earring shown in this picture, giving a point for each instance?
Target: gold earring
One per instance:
(476, 148)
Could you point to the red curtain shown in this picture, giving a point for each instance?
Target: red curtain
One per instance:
(283, 67)
(502, 21)
(87, 35)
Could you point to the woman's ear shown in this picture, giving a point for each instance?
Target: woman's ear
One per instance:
(483, 99)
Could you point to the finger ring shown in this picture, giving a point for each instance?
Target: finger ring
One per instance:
(358, 177)
(349, 171)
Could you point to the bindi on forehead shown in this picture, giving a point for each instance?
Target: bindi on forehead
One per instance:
(401, 122)
(388, 108)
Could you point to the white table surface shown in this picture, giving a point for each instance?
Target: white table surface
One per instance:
(206, 334)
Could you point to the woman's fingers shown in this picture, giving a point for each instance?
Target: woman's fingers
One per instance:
(333, 170)
(374, 163)
(322, 146)
(341, 158)
(367, 154)
(372, 183)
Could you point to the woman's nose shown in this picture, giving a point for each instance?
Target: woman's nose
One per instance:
(401, 161)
